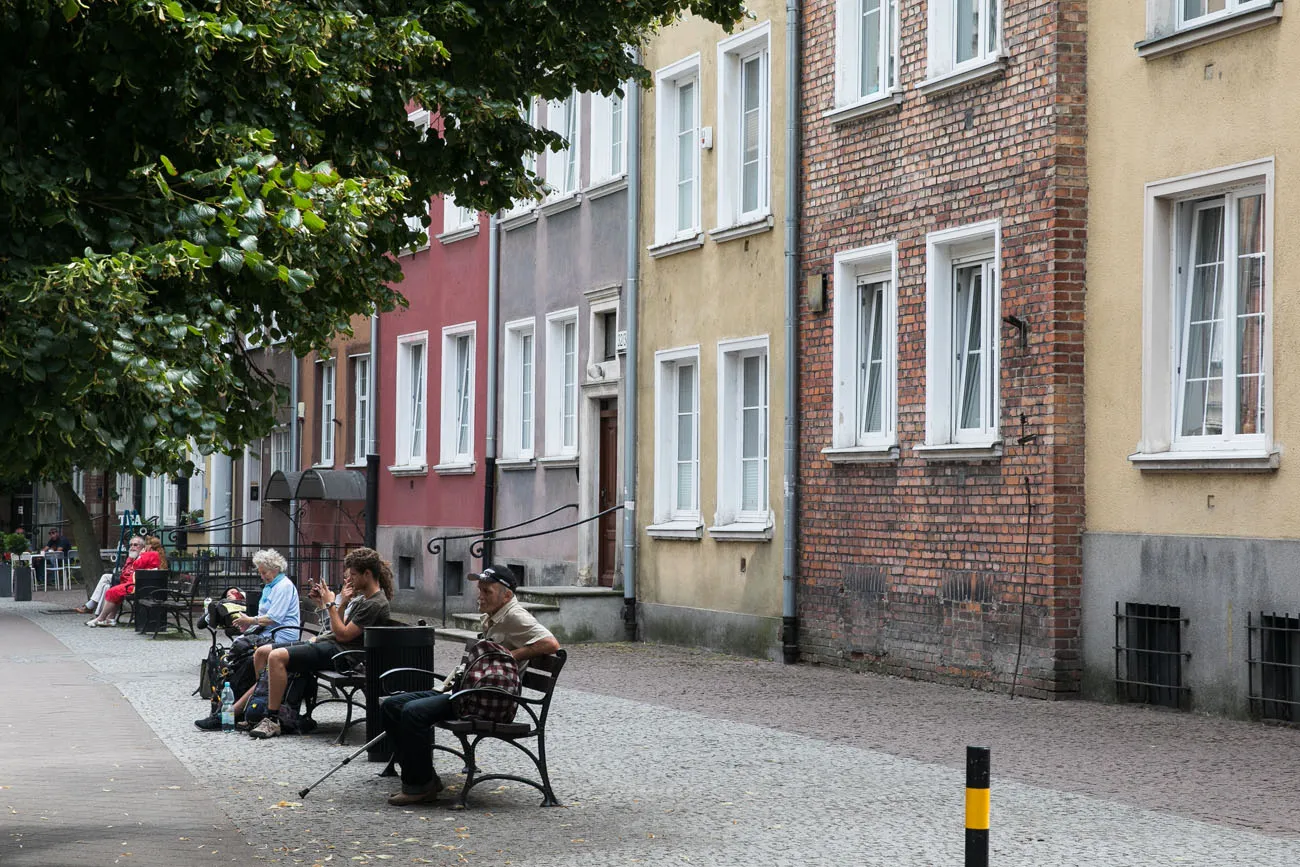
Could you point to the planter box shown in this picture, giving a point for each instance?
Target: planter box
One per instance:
(22, 583)
(6, 580)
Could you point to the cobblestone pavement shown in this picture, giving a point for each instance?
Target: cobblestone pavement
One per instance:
(667, 756)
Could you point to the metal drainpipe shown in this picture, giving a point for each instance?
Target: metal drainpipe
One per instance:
(490, 445)
(372, 439)
(293, 452)
(630, 366)
(790, 504)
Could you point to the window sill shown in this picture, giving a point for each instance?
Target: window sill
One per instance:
(742, 230)
(516, 464)
(323, 465)
(454, 469)
(355, 465)
(409, 470)
(559, 205)
(962, 77)
(607, 187)
(864, 108)
(681, 245)
(742, 531)
(861, 454)
(1253, 461)
(960, 451)
(458, 234)
(558, 462)
(689, 530)
(411, 251)
(517, 220)
(1210, 31)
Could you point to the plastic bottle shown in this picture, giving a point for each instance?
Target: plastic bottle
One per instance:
(227, 708)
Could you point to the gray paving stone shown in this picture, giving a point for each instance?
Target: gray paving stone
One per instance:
(672, 757)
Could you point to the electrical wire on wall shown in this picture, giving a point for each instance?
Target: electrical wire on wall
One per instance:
(1024, 439)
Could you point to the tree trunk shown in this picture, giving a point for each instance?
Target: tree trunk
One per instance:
(83, 535)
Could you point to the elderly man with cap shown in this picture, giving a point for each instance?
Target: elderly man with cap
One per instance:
(409, 717)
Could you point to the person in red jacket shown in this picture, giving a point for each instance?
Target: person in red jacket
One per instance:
(149, 557)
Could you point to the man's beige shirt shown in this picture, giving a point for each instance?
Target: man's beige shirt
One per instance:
(512, 626)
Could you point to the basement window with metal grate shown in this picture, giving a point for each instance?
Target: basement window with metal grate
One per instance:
(1274, 661)
(1149, 655)
(406, 573)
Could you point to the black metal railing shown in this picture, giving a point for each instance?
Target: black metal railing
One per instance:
(477, 547)
(1149, 656)
(1273, 660)
(218, 566)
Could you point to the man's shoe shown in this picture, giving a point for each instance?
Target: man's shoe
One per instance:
(210, 723)
(403, 799)
(269, 727)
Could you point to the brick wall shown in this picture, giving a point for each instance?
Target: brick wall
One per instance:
(917, 567)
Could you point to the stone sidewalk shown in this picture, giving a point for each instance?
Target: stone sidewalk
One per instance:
(669, 756)
(82, 779)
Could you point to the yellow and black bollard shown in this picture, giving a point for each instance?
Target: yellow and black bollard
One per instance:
(977, 806)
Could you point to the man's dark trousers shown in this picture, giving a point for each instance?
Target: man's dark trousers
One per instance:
(408, 719)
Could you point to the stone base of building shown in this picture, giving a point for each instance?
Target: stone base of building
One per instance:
(1207, 594)
(726, 631)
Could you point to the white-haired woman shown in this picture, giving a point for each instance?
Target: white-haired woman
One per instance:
(278, 607)
(279, 603)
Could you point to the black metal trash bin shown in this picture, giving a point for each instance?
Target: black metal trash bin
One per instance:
(389, 647)
(147, 581)
(22, 583)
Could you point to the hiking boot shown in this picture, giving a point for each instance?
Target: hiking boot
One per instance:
(210, 723)
(269, 727)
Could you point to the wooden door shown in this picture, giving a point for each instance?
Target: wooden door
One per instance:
(607, 498)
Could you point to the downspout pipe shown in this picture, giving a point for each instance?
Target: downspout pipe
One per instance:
(790, 504)
(372, 440)
(295, 452)
(630, 366)
(490, 444)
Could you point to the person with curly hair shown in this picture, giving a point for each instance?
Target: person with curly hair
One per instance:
(363, 601)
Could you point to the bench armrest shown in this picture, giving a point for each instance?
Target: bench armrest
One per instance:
(274, 630)
(438, 678)
(519, 700)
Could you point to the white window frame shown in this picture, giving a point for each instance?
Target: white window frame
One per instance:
(608, 125)
(946, 251)
(850, 59)
(524, 206)
(519, 416)
(734, 53)
(411, 432)
(327, 374)
(941, 39)
(420, 118)
(362, 406)
(854, 271)
(562, 384)
(124, 485)
(563, 168)
(671, 521)
(458, 404)
(155, 498)
(281, 450)
(669, 142)
(1230, 8)
(1165, 275)
(457, 223)
(731, 520)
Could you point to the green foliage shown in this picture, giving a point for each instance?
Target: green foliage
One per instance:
(14, 543)
(183, 181)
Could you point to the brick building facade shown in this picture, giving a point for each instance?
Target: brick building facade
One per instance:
(941, 339)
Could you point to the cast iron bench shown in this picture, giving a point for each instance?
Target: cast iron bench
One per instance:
(168, 606)
(537, 681)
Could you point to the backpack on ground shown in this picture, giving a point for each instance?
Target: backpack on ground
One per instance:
(488, 664)
(232, 664)
(291, 719)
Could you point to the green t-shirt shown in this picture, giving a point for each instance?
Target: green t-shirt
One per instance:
(363, 611)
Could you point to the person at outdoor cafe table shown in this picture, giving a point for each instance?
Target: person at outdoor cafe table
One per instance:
(57, 542)
(134, 549)
(146, 558)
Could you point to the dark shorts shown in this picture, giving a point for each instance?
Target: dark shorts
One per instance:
(312, 656)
